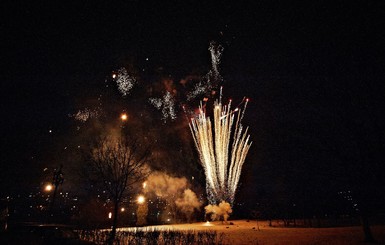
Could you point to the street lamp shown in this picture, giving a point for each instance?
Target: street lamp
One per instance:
(141, 199)
(142, 211)
(124, 116)
(48, 187)
(57, 179)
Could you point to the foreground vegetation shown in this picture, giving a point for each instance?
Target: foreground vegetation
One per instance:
(154, 236)
(237, 232)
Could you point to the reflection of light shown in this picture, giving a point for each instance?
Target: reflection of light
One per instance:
(144, 185)
(113, 76)
(141, 199)
(109, 215)
(123, 117)
(207, 224)
(48, 187)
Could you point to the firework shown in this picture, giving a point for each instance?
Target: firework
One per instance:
(213, 77)
(86, 114)
(124, 81)
(166, 105)
(222, 153)
(216, 53)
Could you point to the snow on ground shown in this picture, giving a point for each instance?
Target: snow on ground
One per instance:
(253, 232)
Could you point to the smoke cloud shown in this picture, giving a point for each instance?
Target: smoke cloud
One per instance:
(164, 185)
(188, 203)
(218, 212)
(175, 191)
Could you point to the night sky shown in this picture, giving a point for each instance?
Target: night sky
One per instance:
(314, 73)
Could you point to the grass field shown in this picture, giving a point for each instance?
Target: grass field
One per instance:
(251, 232)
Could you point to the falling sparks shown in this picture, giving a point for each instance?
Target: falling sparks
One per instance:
(166, 105)
(221, 157)
(216, 53)
(213, 78)
(124, 81)
(199, 88)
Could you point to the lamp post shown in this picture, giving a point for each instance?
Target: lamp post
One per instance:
(142, 211)
(57, 179)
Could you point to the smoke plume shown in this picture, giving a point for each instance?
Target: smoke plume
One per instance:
(219, 212)
(187, 203)
(164, 185)
(175, 191)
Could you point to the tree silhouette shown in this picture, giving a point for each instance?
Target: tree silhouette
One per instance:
(118, 163)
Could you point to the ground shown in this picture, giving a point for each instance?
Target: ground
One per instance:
(252, 232)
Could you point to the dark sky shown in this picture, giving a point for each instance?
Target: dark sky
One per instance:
(303, 66)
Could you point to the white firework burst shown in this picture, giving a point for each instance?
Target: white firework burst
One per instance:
(167, 106)
(124, 81)
(216, 54)
(85, 114)
(199, 88)
(213, 78)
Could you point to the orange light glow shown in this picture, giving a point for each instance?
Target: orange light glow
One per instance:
(141, 199)
(48, 187)
(124, 117)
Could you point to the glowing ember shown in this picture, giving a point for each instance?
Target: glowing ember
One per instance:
(222, 165)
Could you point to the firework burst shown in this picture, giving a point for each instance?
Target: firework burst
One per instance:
(222, 153)
(213, 78)
(86, 114)
(166, 105)
(124, 81)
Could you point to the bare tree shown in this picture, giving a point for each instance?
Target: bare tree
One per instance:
(119, 163)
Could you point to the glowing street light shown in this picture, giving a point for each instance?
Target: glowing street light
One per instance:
(141, 199)
(48, 187)
(124, 117)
